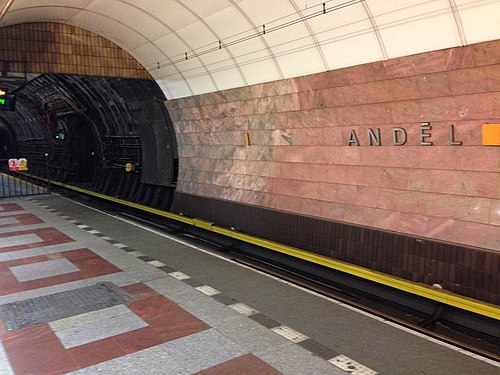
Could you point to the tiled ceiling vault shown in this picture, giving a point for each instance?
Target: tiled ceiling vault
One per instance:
(198, 46)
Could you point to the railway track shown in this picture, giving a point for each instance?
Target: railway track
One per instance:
(468, 331)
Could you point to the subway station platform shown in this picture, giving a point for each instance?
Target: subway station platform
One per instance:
(86, 292)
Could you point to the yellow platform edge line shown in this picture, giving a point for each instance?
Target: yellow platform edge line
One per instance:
(443, 296)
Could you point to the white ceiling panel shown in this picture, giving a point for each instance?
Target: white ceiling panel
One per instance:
(276, 12)
(200, 37)
(480, 19)
(179, 88)
(114, 31)
(150, 54)
(230, 31)
(200, 83)
(251, 51)
(228, 76)
(134, 17)
(43, 14)
(300, 38)
(170, 12)
(286, 40)
(173, 47)
(192, 68)
(414, 26)
(204, 8)
(341, 54)
(260, 70)
(300, 62)
(168, 72)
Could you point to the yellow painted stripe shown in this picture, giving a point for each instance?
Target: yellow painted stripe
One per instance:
(422, 290)
(155, 211)
(203, 224)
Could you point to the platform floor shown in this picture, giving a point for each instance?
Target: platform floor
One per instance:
(186, 310)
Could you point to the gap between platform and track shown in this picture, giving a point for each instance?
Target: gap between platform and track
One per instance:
(438, 295)
(294, 285)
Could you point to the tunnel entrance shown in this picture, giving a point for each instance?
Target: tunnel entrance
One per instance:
(105, 134)
(6, 148)
(83, 147)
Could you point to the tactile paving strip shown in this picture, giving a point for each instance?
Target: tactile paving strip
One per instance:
(60, 305)
(350, 366)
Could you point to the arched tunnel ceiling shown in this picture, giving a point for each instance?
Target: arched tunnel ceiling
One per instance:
(197, 46)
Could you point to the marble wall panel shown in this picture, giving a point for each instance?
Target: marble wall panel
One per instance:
(487, 53)
(332, 136)
(376, 114)
(351, 95)
(395, 178)
(261, 168)
(334, 211)
(464, 183)
(264, 153)
(495, 210)
(299, 159)
(309, 136)
(466, 232)
(491, 77)
(348, 76)
(436, 84)
(454, 207)
(407, 111)
(286, 203)
(314, 172)
(398, 200)
(473, 80)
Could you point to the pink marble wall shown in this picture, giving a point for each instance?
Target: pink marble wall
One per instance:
(299, 159)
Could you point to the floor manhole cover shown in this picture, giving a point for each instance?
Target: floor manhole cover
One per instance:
(60, 305)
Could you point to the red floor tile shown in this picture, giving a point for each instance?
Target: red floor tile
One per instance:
(139, 290)
(138, 339)
(37, 351)
(244, 365)
(152, 307)
(8, 282)
(166, 318)
(96, 352)
(89, 264)
(49, 236)
(176, 324)
(23, 219)
(10, 207)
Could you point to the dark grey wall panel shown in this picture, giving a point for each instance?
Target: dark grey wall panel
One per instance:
(464, 270)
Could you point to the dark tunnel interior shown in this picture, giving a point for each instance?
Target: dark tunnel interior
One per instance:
(6, 148)
(111, 135)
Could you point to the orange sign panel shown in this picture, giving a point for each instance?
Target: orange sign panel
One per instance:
(491, 134)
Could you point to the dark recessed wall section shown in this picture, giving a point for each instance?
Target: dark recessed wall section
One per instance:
(6, 144)
(467, 271)
(84, 130)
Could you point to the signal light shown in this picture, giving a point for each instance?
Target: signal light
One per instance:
(59, 136)
(7, 101)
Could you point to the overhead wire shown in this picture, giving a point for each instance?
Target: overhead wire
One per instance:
(220, 44)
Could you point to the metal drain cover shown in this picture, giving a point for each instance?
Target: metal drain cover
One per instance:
(60, 305)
